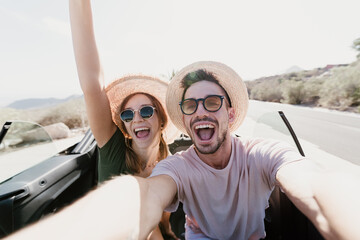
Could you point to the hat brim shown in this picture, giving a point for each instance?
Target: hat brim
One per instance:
(119, 89)
(228, 79)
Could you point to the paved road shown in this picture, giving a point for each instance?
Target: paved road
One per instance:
(334, 132)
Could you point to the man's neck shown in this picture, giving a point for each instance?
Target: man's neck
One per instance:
(219, 159)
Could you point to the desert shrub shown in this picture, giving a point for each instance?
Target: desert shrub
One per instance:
(267, 91)
(10, 114)
(342, 89)
(297, 76)
(70, 121)
(71, 113)
(338, 88)
(293, 76)
(293, 92)
(311, 94)
(356, 97)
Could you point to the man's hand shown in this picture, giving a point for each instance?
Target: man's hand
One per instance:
(328, 197)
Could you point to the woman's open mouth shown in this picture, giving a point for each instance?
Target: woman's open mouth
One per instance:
(142, 132)
(204, 131)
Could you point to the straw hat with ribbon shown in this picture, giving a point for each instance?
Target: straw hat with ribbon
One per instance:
(119, 89)
(228, 79)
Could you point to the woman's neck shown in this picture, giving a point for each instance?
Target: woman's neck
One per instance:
(149, 156)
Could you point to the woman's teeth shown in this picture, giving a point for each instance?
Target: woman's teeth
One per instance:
(142, 132)
(140, 129)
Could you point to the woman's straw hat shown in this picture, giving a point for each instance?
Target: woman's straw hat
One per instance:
(228, 79)
(119, 89)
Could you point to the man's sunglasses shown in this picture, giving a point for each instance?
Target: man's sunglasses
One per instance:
(145, 112)
(211, 103)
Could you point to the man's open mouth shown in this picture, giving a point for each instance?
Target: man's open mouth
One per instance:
(204, 131)
(142, 132)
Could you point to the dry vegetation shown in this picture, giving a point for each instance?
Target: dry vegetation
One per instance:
(335, 87)
(71, 113)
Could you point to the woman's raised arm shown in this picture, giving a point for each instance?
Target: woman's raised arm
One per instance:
(90, 72)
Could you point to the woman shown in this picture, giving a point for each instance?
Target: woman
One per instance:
(137, 106)
(127, 118)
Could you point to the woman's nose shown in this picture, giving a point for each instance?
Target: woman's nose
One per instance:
(137, 117)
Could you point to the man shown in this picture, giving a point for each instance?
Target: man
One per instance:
(224, 182)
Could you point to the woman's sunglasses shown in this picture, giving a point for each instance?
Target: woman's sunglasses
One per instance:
(145, 112)
(211, 103)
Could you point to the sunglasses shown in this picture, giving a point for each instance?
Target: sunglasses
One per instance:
(145, 112)
(211, 103)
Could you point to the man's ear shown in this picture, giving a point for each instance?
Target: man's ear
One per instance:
(231, 112)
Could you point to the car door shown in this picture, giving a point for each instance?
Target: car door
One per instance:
(35, 179)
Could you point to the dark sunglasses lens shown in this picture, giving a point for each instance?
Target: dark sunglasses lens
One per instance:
(212, 103)
(146, 112)
(188, 106)
(127, 115)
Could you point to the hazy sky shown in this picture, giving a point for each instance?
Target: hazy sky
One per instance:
(255, 37)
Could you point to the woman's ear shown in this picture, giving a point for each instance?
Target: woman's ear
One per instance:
(231, 114)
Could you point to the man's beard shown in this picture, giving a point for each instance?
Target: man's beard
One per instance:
(220, 140)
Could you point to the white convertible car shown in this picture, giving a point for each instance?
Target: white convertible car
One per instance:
(36, 180)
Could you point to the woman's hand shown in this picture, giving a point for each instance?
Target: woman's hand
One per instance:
(90, 72)
(165, 227)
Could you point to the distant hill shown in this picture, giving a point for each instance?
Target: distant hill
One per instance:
(33, 103)
(294, 69)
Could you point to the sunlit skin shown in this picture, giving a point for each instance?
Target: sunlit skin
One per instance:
(216, 150)
(145, 144)
(146, 147)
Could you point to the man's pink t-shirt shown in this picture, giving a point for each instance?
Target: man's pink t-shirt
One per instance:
(228, 203)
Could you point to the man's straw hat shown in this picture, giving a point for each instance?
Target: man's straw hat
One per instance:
(119, 89)
(228, 79)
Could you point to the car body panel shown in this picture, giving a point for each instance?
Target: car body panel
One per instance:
(48, 186)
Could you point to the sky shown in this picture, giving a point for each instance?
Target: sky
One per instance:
(255, 37)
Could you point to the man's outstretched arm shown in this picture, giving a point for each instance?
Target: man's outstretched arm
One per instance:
(328, 197)
(126, 207)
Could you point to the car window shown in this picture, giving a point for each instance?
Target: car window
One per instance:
(23, 145)
(272, 125)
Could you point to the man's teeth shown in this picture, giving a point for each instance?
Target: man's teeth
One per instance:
(140, 129)
(204, 126)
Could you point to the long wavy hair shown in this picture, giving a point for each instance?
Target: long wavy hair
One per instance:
(132, 161)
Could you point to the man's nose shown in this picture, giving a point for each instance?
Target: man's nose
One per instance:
(201, 110)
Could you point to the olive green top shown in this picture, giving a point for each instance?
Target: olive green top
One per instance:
(112, 158)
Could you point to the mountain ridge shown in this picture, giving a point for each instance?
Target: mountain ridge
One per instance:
(35, 103)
